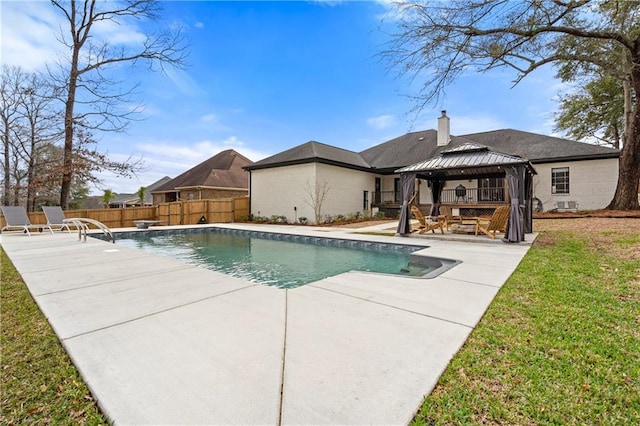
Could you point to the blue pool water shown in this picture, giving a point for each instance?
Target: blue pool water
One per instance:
(283, 261)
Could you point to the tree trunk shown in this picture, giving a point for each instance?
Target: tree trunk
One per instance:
(626, 196)
(67, 156)
(7, 165)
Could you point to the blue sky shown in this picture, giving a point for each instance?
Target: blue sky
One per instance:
(263, 77)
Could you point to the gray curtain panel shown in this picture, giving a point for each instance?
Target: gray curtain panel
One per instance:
(408, 184)
(436, 191)
(515, 226)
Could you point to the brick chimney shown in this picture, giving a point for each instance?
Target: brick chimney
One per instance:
(444, 134)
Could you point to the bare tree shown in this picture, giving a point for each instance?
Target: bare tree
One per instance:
(316, 195)
(39, 128)
(10, 94)
(439, 40)
(91, 97)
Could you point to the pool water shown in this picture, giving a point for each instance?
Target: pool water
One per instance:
(268, 259)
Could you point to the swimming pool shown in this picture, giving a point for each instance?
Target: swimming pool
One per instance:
(280, 260)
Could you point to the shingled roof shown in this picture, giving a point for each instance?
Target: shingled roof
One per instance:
(540, 148)
(313, 151)
(414, 147)
(223, 170)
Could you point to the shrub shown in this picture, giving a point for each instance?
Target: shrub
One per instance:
(278, 219)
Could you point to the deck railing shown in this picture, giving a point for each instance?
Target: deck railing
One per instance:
(459, 195)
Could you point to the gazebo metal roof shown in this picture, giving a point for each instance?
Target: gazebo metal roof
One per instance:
(468, 160)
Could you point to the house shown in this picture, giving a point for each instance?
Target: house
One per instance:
(132, 200)
(221, 176)
(290, 183)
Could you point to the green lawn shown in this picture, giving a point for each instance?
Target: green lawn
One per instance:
(39, 384)
(560, 344)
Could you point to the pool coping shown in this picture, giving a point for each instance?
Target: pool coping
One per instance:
(162, 342)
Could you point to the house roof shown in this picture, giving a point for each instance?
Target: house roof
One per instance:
(540, 148)
(413, 147)
(406, 149)
(224, 169)
(469, 160)
(130, 199)
(313, 151)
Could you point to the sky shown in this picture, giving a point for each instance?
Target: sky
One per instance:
(263, 77)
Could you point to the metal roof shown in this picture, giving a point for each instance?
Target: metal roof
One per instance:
(469, 159)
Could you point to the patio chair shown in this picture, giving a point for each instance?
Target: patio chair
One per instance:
(497, 223)
(449, 217)
(16, 218)
(426, 225)
(55, 217)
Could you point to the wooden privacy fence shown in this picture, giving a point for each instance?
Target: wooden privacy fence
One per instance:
(223, 210)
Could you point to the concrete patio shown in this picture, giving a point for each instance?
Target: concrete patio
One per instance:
(162, 342)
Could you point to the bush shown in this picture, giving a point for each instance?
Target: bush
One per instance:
(278, 219)
(379, 215)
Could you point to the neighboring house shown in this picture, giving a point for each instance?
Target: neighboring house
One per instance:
(286, 183)
(132, 200)
(221, 176)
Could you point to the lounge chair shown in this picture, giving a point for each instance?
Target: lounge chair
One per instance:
(449, 217)
(426, 225)
(16, 218)
(55, 217)
(497, 223)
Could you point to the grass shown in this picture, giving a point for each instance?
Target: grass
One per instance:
(560, 344)
(39, 383)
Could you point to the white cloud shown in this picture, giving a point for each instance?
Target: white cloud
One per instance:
(31, 32)
(183, 81)
(198, 24)
(381, 121)
(123, 32)
(170, 158)
(28, 35)
(209, 118)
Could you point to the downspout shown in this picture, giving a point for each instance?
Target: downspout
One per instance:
(250, 197)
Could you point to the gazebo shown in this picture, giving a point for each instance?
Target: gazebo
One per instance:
(473, 161)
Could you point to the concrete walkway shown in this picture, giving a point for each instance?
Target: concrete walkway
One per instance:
(161, 342)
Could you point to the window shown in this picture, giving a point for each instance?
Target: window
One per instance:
(365, 200)
(491, 190)
(560, 180)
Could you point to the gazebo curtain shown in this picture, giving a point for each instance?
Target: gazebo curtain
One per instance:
(516, 182)
(436, 190)
(528, 209)
(408, 183)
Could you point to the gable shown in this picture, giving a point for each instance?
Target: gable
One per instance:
(225, 169)
(313, 151)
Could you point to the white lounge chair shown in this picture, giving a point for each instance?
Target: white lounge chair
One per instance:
(16, 218)
(55, 217)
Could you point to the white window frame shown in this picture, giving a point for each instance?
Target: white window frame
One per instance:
(560, 180)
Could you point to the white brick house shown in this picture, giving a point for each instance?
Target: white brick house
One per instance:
(567, 171)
